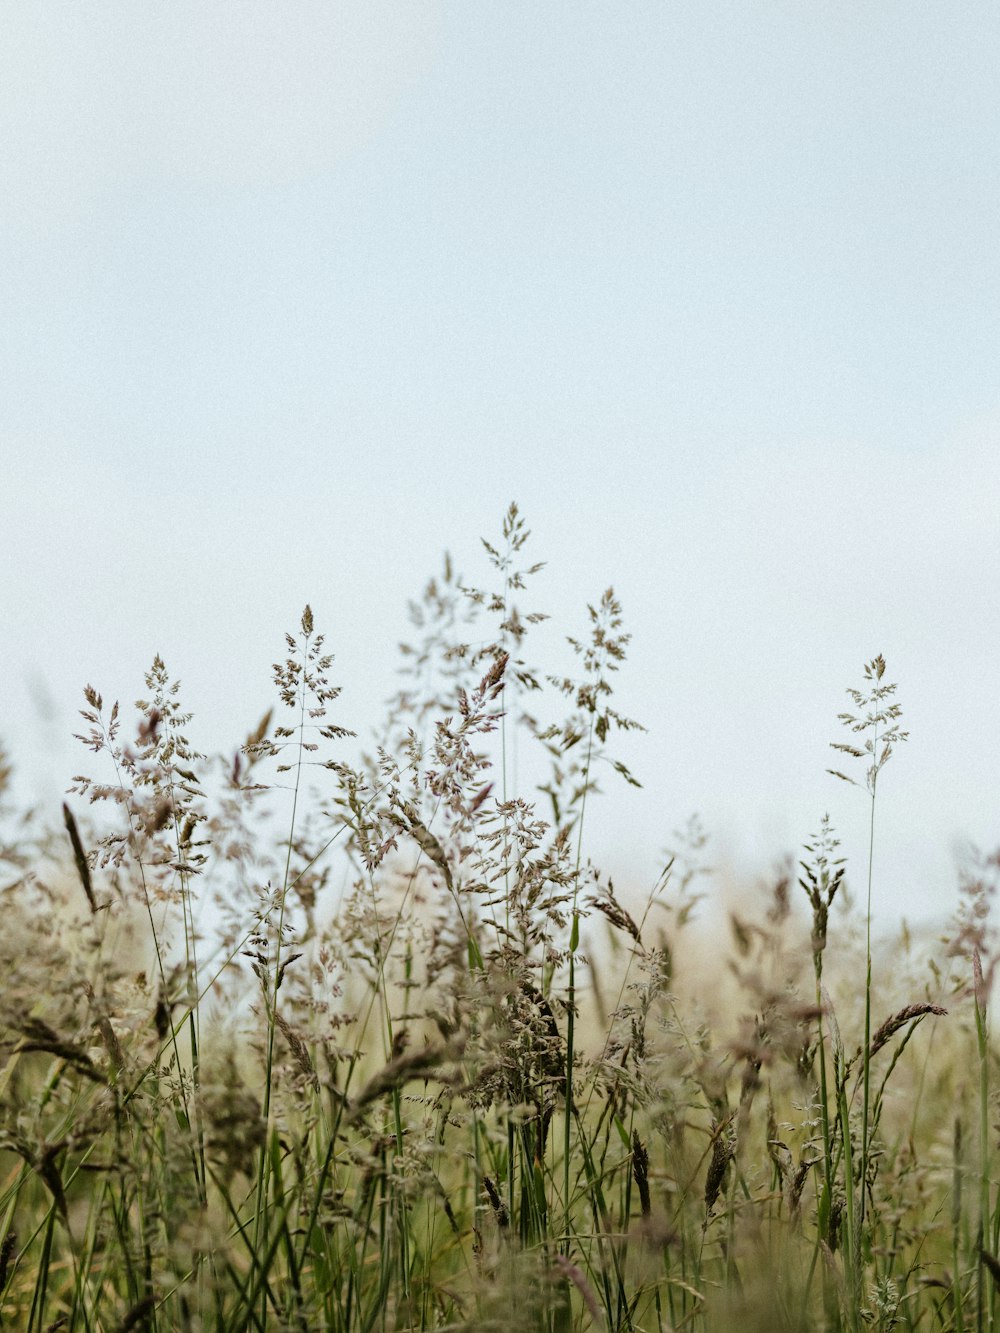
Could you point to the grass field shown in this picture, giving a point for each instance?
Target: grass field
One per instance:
(297, 1041)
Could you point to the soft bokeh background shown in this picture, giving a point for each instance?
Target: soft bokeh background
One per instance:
(295, 296)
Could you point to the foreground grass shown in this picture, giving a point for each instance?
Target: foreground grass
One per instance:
(311, 1045)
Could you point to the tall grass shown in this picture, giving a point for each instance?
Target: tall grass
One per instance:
(878, 728)
(294, 1039)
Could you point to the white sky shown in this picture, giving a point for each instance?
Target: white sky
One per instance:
(293, 297)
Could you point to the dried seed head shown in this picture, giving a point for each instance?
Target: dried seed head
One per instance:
(911, 1013)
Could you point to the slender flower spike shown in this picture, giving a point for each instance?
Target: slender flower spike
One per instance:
(877, 722)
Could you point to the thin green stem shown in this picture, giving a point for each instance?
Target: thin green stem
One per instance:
(571, 1008)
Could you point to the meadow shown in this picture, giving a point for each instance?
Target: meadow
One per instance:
(293, 1039)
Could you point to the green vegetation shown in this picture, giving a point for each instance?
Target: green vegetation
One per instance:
(289, 1042)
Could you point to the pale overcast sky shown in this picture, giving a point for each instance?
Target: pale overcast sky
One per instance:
(295, 296)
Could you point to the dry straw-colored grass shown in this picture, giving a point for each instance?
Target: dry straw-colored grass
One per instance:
(292, 1040)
